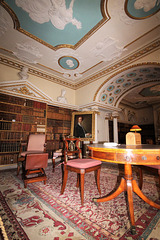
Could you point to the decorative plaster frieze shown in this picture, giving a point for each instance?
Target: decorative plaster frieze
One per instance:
(27, 52)
(4, 23)
(23, 88)
(128, 60)
(85, 81)
(107, 50)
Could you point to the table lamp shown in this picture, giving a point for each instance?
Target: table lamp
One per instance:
(133, 138)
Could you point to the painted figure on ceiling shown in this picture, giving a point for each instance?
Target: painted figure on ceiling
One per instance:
(42, 11)
(147, 5)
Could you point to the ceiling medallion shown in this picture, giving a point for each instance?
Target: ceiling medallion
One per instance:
(140, 9)
(68, 62)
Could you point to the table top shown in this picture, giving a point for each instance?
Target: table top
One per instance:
(143, 154)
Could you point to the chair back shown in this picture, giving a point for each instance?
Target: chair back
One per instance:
(71, 146)
(36, 142)
(36, 161)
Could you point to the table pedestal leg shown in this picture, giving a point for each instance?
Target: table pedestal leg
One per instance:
(128, 184)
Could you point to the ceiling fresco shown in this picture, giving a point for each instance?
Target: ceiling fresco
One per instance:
(76, 42)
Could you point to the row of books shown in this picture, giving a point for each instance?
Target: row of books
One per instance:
(58, 116)
(9, 146)
(22, 101)
(11, 135)
(8, 159)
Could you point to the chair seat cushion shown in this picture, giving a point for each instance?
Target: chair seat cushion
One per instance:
(23, 154)
(83, 163)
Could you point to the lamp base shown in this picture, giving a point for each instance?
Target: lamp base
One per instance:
(133, 138)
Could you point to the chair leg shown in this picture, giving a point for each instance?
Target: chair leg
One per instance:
(78, 180)
(98, 180)
(53, 163)
(140, 177)
(18, 169)
(82, 187)
(64, 180)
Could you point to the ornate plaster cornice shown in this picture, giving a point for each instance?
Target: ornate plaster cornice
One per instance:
(83, 82)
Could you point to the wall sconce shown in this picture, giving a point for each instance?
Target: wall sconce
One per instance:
(133, 138)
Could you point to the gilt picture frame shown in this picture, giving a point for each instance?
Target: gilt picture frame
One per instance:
(88, 123)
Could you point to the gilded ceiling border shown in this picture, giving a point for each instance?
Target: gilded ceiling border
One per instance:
(104, 11)
(135, 56)
(12, 63)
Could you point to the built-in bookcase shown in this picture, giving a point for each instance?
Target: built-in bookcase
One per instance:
(18, 118)
(58, 126)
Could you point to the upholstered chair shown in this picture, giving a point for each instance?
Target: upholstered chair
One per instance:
(79, 165)
(35, 144)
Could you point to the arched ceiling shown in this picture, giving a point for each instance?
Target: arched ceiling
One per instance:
(137, 86)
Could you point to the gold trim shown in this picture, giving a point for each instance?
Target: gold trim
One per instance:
(105, 19)
(121, 71)
(3, 49)
(137, 18)
(34, 72)
(93, 124)
(137, 55)
(92, 67)
(68, 57)
(128, 60)
(141, 36)
(11, 13)
(49, 68)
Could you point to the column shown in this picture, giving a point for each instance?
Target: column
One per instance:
(115, 126)
(107, 117)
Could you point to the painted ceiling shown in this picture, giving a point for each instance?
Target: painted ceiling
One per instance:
(80, 41)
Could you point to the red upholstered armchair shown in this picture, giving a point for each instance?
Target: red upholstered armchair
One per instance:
(34, 168)
(79, 165)
(36, 144)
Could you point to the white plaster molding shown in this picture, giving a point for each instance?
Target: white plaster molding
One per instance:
(4, 21)
(23, 88)
(27, 52)
(71, 74)
(107, 49)
(120, 13)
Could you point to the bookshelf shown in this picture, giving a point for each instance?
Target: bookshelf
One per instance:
(58, 126)
(18, 118)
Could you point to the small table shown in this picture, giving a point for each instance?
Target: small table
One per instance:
(128, 155)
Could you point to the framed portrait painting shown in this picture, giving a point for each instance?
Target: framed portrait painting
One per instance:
(83, 125)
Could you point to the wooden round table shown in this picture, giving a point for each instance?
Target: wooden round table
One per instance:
(128, 155)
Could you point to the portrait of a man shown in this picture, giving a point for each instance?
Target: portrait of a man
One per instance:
(83, 126)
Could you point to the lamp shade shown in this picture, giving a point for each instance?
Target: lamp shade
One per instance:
(135, 128)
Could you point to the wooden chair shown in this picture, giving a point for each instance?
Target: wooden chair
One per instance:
(141, 173)
(57, 154)
(33, 168)
(36, 144)
(79, 165)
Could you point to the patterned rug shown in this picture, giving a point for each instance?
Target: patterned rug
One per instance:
(40, 212)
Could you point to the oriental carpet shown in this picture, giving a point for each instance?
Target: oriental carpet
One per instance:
(40, 212)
